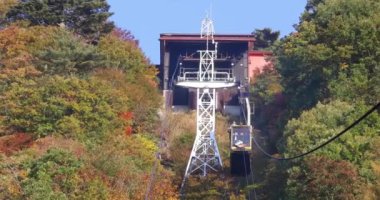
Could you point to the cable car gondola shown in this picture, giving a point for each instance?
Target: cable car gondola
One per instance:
(240, 146)
(241, 138)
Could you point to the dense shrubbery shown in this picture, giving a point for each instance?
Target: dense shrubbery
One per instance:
(72, 107)
(80, 88)
(58, 174)
(323, 178)
(329, 70)
(332, 59)
(333, 54)
(350, 159)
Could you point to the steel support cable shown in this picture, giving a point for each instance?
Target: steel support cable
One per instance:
(244, 116)
(151, 180)
(175, 71)
(245, 176)
(323, 144)
(250, 167)
(158, 157)
(253, 178)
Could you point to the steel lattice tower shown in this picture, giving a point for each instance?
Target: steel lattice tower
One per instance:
(205, 155)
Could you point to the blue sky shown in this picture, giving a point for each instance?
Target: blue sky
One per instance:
(146, 19)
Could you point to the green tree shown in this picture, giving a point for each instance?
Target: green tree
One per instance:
(65, 54)
(265, 86)
(57, 175)
(75, 108)
(266, 92)
(356, 148)
(123, 54)
(311, 9)
(132, 74)
(40, 50)
(265, 38)
(129, 161)
(54, 176)
(323, 178)
(324, 121)
(88, 18)
(333, 54)
(137, 90)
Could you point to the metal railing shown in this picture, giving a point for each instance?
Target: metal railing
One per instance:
(218, 75)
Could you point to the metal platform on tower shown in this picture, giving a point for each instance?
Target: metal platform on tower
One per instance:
(206, 76)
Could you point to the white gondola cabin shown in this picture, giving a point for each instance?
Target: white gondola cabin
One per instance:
(241, 138)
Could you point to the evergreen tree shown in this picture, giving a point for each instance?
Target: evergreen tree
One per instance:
(88, 18)
(265, 38)
(311, 9)
(67, 54)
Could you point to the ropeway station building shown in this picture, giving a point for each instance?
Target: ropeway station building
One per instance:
(235, 55)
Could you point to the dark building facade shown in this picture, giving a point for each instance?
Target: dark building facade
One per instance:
(179, 51)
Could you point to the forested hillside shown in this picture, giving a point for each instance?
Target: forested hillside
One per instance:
(326, 75)
(81, 118)
(78, 105)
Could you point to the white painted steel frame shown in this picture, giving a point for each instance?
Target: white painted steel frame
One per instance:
(205, 154)
(206, 65)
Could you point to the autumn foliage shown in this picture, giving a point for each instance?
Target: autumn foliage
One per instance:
(68, 98)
